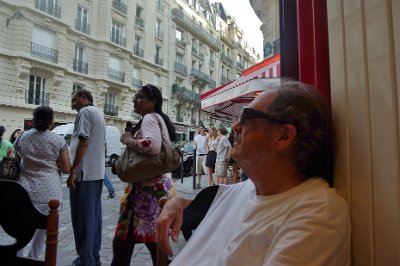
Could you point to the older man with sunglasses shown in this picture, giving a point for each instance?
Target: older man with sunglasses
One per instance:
(287, 213)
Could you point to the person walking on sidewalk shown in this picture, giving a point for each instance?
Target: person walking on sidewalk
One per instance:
(85, 180)
(212, 145)
(109, 186)
(221, 162)
(201, 154)
(139, 205)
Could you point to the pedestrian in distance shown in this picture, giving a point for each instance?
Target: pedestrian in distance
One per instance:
(5, 145)
(284, 145)
(221, 162)
(15, 135)
(201, 154)
(85, 179)
(212, 145)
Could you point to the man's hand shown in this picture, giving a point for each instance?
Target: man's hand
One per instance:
(71, 180)
(170, 220)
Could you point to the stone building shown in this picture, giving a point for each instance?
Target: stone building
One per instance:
(49, 48)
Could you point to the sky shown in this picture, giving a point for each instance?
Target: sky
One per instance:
(247, 20)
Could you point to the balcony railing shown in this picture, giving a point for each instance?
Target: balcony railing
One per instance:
(118, 39)
(44, 52)
(180, 68)
(179, 119)
(277, 46)
(223, 79)
(207, 37)
(212, 84)
(238, 45)
(226, 59)
(138, 51)
(111, 110)
(49, 7)
(80, 66)
(32, 97)
(159, 34)
(82, 27)
(116, 75)
(185, 94)
(193, 121)
(200, 75)
(181, 43)
(160, 6)
(137, 83)
(239, 65)
(121, 7)
(139, 22)
(158, 60)
(212, 62)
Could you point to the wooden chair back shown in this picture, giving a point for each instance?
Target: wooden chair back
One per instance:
(20, 219)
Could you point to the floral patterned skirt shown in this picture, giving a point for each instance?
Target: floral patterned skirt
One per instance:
(140, 209)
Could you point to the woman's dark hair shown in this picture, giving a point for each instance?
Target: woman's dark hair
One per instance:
(42, 116)
(302, 106)
(12, 137)
(153, 93)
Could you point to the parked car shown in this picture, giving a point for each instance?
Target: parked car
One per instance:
(113, 145)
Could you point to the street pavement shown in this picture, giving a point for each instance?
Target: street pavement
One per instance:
(66, 246)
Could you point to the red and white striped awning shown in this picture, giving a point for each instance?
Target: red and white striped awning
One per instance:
(227, 101)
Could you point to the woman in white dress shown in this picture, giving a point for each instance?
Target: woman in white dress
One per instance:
(44, 155)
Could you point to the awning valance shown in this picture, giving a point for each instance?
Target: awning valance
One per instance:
(226, 101)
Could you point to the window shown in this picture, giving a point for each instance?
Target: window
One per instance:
(157, 81)
(178, 113)
(81, 23)
(117, 34)
(115, 69)
(43, 42)
(179, 59)
(51, 7)
(110, 107)
(137, 47)
(178, 35)
(139, 16)
(159, 32)
(37, 91)
(158, 56)
(79, 63)
(136, 81)
(76, 87)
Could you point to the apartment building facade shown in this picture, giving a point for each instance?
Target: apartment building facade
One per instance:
(49, 48)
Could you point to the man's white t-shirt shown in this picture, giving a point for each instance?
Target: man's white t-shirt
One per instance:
(307, 225)
(201, 147)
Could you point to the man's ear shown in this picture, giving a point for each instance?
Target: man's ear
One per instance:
(288, 133)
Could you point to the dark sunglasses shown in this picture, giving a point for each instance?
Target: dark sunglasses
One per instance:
(252, 114)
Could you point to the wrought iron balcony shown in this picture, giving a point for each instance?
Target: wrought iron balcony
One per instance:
(179, 17)
(118, 39)
(193, 121)
(277, 46)
(212, 62)
(116, 75)
(238, 45)
(180, 68)
(49, 7)
(33, 97)
(239, 65)
(181, 43)
(121, 7)
(139, 22)
(160, 6)
(159, 34)
(137, 83)
(80, 66)
(200, 75)
(179, 119)
(185, 94)
(212, 84)
(223, 79)
(158, 60)
(226, 59)
(138, 51)
(44, 52)
(111, 110)
(82, 27)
